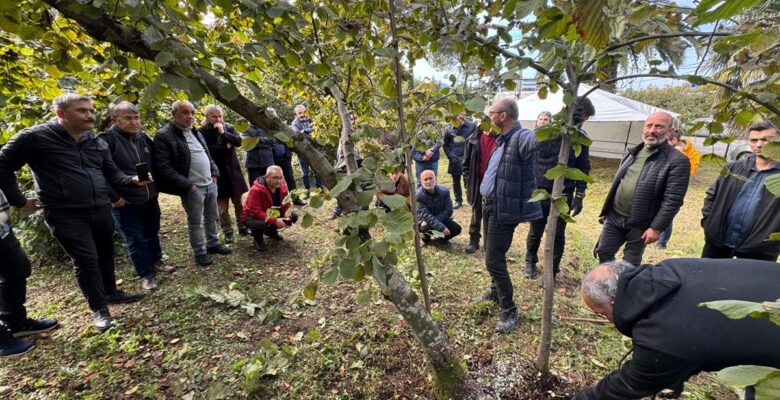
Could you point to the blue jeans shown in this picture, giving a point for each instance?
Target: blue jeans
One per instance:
(140, 227)
(665, 235)
(202, 215)
(305, 175)
(420, 166)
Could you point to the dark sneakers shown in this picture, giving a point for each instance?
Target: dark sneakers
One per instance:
(32, 326)
(218, 249)
(11, 346)
(204, 260)
(103, 320)
(274, 234)
(229, 238)
(472, 248)
(120, 297)
(507, 322)
(243, 231)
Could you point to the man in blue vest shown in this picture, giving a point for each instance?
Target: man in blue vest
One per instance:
(505, 189)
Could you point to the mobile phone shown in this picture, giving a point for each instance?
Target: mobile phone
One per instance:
(287, 222)
(142, 170)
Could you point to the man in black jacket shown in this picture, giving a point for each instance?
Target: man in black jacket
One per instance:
(546, 158)
(658, 307)
(72, 169)
(739, 212)
(646, 194)
(454, 143)
(137, 212)
(222, 140)
(183, 167)
(434, 208)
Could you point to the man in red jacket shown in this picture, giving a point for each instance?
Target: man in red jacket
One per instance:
(266, 207)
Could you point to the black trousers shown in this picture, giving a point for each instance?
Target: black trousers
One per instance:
(498, 239)
(14, 271)
(475, 226)
(614, 234)
(88, 238)
(647, 373)
(453, 226)
(259, 227)
(287, 171)
(712, 250)
(457, 187)
(534, 239)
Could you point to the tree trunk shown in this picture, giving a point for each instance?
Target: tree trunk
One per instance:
(448, 372)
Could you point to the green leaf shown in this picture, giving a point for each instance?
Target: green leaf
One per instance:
(774, 236)
(307, 221)
(562, 205)
(744, 117)
(555, 172)
(316, 201)
(229, 91)
(163, 59)
(363, 297)
(380, 272)
(284, 138)
(387, 52)
(310, 291)
(539, 195)
(318, 69)
(549, 132)
(476, 104)
(330, 276)
(747, 375)
(353, 242)
(366, 197)
(341, 186)
(249, 143)
(772, 183)
(347, 268)
(394, 201)
(590, 20)
(576, 175)
(738, 309)
(398, 221)
(771, 150)
(713, 10)
(279, 9)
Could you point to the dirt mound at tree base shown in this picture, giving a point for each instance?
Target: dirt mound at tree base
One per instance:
(515, 378)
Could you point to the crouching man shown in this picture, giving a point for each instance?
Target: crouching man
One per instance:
(673, 337)
(265, 210)
(434, 208)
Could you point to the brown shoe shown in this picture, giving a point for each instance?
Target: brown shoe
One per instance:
(149, 284)
(160, 266)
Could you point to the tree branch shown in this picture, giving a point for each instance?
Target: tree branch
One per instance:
(650, 37)
(508, 54)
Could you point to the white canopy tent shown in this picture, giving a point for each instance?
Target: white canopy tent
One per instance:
(617, 124)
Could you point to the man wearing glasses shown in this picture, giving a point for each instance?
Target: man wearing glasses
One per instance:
(739, 212)
(505, 189)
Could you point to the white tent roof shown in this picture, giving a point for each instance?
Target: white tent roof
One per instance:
(609, 106)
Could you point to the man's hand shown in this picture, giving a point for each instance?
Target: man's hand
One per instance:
(576, 205)
(31, 204)
(651, 236)
(428, 154)
(139, 182)
(193, 189)
(446, 231)
(214, 178)
(220, 128)
(280, 223)
(119, 203)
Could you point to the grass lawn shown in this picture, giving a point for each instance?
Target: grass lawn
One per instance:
(195, 338)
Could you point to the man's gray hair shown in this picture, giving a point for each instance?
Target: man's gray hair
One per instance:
(273, 168)
(509, 106)
(299, 107)
(211, 108)
(122, 107)
(601, 289)
(63, 101)
(179, 104)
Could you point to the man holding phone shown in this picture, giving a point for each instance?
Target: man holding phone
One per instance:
(266, 207)
(74, 172)
(137, 212)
